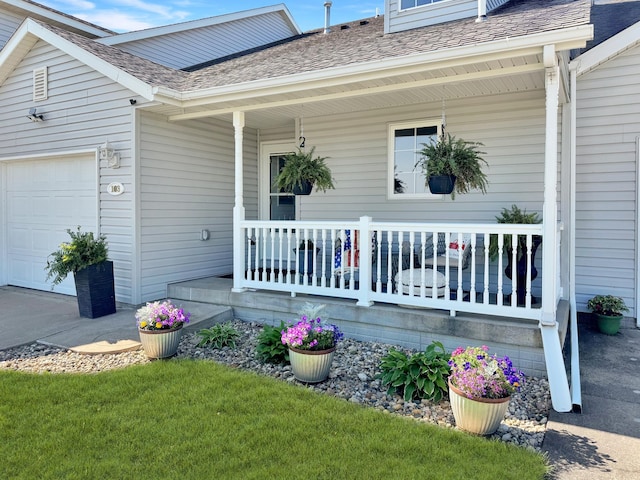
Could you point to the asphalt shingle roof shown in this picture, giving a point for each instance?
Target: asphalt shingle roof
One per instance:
(360, 42)
(611, 17)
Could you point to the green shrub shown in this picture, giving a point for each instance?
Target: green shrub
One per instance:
(270, 347)
(421, 375)
(218, 336)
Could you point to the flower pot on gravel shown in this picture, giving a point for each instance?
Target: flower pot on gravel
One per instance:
(311, 366)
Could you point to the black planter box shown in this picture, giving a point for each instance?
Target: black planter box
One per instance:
(95, 290)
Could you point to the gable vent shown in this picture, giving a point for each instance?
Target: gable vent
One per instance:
(40, 84)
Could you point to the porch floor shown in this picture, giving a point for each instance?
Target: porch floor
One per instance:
(520, 339)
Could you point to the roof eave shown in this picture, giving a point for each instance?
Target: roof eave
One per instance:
(611, 47)
(30, 31)
(61, 18)
(565, 39)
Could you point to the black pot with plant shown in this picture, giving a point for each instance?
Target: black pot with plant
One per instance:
(86, 257)
(302, 171)
(453, 166)
(517, 216)
(307, 251)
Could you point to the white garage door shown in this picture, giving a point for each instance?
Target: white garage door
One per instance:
(44, 199)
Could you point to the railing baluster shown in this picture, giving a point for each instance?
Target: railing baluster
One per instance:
(485, 291)
(529, 271)
(472, 289)
(500, 299)
(514, 269)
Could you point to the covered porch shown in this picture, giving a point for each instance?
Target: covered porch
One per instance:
(421, 251)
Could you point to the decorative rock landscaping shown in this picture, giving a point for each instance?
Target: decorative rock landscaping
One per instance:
(352, 377)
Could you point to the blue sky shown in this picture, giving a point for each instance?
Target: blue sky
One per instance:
(128, 15)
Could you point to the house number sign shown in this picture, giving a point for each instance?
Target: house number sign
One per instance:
(115, 188)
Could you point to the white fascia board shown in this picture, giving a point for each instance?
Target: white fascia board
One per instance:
(627, 38)
(51, 14)
(204, 22)
(565, 39)
(23, 39)
(15, 49)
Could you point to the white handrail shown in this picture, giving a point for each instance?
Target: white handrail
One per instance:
(394, 263)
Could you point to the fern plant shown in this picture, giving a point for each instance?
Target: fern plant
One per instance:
(459, 158)
(218, 336)
(421, 375)
(301, 167)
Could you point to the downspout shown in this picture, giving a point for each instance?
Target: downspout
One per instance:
(554, 361)
(576, 389)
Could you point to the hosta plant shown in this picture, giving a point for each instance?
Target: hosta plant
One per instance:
(270, 348)
(417, 376)
(218, 336)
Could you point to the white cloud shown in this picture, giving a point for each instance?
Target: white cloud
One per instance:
(115, 21)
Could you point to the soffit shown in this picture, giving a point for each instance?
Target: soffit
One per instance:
(506, 75)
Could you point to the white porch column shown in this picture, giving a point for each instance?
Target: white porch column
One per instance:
(549, 209)
(558, 382)
(238, 208)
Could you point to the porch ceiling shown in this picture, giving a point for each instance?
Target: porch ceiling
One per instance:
(343, 95)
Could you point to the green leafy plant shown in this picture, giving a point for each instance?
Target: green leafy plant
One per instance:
(300, 167)
(218, 336)
(453, 156)
(517, 216)
(83, 250)
(421, 375)
(608, 305)
(270, 348)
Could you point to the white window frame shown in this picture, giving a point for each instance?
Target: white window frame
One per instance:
(391, 129)
(400, 9)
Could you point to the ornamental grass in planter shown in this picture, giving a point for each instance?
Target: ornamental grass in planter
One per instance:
(480, 387)
(86, 257)
(312, 344)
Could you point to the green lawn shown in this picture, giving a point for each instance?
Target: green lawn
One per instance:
(185, 419)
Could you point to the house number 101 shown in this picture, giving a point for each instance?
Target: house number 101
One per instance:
(115, 188)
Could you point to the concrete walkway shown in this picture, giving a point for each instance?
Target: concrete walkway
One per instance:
(30, 315)
(603, 442)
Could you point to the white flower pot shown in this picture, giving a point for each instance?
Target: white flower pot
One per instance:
(160, 343)
(311, 366)
(477, 415)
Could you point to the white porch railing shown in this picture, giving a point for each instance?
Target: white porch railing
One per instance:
(394, 263)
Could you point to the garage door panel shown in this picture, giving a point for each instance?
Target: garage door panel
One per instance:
(44, 199)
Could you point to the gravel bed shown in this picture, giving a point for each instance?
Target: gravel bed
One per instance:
(353, 378)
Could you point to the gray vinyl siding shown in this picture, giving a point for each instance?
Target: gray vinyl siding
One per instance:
(192, 47)
(83, 110)
(511, 127)
(439, 12)
(608, 126)
(186, 185)
(9, 22)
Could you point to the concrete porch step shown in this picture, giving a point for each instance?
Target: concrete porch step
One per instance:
(118, 332)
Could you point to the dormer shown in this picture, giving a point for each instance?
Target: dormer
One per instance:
(407, 14)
